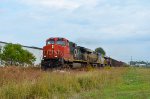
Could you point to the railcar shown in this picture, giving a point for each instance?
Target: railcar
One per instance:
(116, 63)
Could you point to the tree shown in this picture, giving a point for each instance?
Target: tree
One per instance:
(100, 50)
(14, 54)
(0, 54)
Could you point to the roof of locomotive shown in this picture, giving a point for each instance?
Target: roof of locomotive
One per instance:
(85, 49)
(60, 38)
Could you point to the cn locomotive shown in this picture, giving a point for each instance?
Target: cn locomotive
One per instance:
(62, 53)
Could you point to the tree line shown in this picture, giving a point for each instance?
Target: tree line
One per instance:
(140, 62)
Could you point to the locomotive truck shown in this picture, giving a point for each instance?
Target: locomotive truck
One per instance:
(62, 53)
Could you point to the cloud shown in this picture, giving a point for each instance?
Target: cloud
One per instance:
(63, 4)
(60, 4)
(119, 30)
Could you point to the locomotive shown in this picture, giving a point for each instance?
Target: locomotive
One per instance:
(62, 53)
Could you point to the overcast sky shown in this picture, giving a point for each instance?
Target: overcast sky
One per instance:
(121, 27)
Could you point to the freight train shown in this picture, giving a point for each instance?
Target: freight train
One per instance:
(62, 53)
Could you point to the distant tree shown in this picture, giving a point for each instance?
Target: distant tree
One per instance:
(14, 54)
(100, 50)
(0, 52)
(0, 58)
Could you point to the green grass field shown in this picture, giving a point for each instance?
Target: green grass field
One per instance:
(106, 83)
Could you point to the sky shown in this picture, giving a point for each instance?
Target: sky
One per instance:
(120, 27)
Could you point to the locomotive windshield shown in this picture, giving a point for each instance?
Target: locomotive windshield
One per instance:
(50, 42)
(60, 42)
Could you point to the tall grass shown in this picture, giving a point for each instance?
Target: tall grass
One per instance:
(30, 83)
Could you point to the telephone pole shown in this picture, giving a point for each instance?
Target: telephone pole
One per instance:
(131, 61)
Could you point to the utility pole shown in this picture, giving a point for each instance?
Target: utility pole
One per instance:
(131, 61)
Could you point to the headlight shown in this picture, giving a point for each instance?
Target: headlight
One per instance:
(52, 46)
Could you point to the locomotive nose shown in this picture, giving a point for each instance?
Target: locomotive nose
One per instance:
(53, 51)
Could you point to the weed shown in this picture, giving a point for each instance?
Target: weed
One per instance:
(110, 83)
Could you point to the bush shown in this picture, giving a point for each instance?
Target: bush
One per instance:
(14, 54)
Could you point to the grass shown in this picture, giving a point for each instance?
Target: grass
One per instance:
(106, 83)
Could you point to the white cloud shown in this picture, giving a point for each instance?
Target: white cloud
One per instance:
(52, 3)
(121, 31)
(60, 4)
